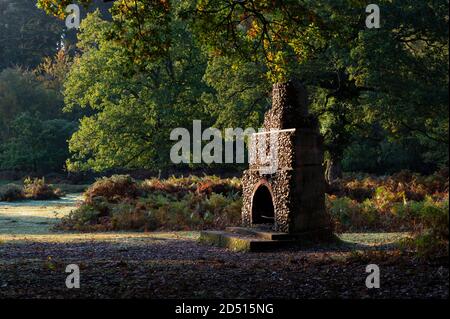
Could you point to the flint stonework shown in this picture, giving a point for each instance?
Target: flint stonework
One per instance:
(297, 188)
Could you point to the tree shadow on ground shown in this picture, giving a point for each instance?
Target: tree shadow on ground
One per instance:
(171, 265)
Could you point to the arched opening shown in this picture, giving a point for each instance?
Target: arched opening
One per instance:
(263, 211)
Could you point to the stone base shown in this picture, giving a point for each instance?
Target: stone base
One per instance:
(256, 240)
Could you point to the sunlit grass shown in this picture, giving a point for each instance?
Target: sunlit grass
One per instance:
(34, 217)
(113, 237)
(373, 238)
(33, 221)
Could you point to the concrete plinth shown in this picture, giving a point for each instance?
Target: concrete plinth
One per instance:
(257, 240)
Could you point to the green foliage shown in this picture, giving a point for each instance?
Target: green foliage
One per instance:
(20, 92)
(411, 98)
(431, 238)
(401, 202)
(163, 63)
(80, 218)
(353, 86)
(241, 90)
(381, 155)
(427, 220)
(431, 232)
(35, 144)
(427, 216)
(159, 93)
(349, 215)
(399, 187)
(192, 212)
(33, 130)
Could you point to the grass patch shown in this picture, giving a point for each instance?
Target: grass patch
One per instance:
(113, 237)
(374, 239)
(34, 217)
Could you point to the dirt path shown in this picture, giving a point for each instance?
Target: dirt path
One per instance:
(33, 260)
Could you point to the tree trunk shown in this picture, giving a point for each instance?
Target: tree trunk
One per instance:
(333, 171)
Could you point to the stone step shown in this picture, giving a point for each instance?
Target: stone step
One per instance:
(241, 242)
(260, 233)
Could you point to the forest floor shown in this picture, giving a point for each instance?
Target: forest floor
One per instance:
(33, 260)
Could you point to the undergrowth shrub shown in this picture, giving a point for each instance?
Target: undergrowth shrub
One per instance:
(404, 202)
(38, 189)
(220, 186)
(113, 189)
(431, 231)
(402, 186)
(157, 212)
(350, 215)
(173, 204)
(180, 187)
(11, 193)
(427, 221)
